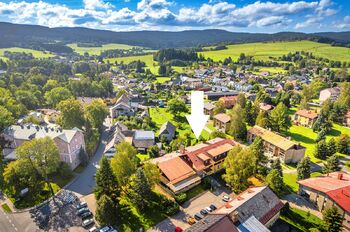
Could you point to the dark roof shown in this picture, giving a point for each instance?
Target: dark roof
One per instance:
(214, 223)
(169, 127)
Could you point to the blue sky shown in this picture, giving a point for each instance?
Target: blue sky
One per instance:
(175, 15)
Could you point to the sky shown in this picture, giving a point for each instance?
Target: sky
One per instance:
(176, 15)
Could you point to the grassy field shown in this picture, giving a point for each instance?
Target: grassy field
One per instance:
(262, 51)
(302, 220)
(148, 59)
(36, 53)
(161, 80)
(98, 50)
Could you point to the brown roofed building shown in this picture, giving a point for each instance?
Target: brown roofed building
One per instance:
(229, 101)
(330, 93)
(346, 121)
(222, 122)
(265, 107)
(331, 190)
(276, 145)
(209, 108)
(305, 118)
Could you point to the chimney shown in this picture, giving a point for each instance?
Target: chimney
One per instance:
(340, 176)
(234, 216)
(182, 149)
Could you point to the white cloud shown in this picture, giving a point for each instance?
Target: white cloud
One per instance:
(151, 14)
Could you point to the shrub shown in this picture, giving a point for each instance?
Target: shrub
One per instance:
(181, 198)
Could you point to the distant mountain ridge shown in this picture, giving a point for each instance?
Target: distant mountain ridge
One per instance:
(31, 35)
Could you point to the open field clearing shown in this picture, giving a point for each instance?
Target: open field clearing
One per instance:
(262, 51)
(98, 50)
(36, 53)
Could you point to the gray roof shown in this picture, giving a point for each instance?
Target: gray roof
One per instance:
(214, 223)
(209, 106)
(141, 134)
(30, 131)
(167, 127)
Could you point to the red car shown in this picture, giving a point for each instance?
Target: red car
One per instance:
(178, 229)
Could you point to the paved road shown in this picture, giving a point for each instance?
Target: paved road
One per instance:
(16, 222)
(85, 182)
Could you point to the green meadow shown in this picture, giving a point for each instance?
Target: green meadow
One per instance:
(98, 50)
(36, 53)
(262, 51)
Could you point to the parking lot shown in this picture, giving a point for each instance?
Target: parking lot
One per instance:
(190, 208)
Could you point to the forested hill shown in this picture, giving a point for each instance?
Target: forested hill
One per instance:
(31, 35)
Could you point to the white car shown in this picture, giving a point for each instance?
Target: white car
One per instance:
(93, 229)
(87, 223)
(226, 198)
(208, 209)
(106, 229)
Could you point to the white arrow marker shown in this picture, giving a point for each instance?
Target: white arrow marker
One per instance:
(197, 119)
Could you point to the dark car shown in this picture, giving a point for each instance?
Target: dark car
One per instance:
(198, 216)
(204, 212)
(82, 211)
(213, 207)
(86, 215)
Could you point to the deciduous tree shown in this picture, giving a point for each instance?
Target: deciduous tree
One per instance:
(275, 181)
(279, 118)
(72, 114)
(238, 127)
(96, 112)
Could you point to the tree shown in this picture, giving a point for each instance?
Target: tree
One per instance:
(6, 118)
(176, 144)
(56, 95)
(141, 189)
(124, 163)
(276, 164)
(280, 120)
(177, 106)
(239, 166)
(333, 220)
(219, 107)
(275, 181)
(152, 173)
(96, 112)
(153, 151)
(43, 156)
(332, 164)
(238, 127)
(106, 211)
(343, 144)
(72, 114)
(216, 134)
(241, 100)
(263, 119)
(257, 148)
(332, 146)
(304, 168)
(106, 182)
(321, 150)
(251, 113)
(304, 104)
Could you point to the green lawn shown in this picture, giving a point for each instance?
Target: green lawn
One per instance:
(290, 180)
(6, 208)
(148, 59)
(193, 192)
(143, 157)
(36, 53)
(161, 80)
(302, 220)
(262, 51)
(98, 50)
(306, 137)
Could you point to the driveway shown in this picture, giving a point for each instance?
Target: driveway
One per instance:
(84, 183)
(190, 208)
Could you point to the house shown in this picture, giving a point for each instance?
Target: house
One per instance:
(330, 93)
(265, 107)
(35, 115)
(208, 158)
(176, 174)
(214, 96)
(168, 130)
(229, 101)
(68, 142)
(117, 134)
(222, 122)
(209, 108)
(277, 146)
(214, 223)
(346, 120)
(327, 191)
(143, 139)
(122, 107)
(304, 118)
(258, 205)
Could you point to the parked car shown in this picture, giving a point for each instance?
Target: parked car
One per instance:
(82, 211)
(86, 215)
(213, 207)
(208, 209)
(226, 198)
(106, 229)
(81, 205)
(178, 229)
(87, 222)
(203, 212)
(191, 221)
(113, 230)
(93, 229)
(198, 216)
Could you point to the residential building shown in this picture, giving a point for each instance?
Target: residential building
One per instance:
(214, 96)
(122, 107)
(330, 93)
(117, 134)
(330, 190)
(277, 146)
(143, 139)
(68, 142)
(304, 118)
(265, 107)
(229, 101)
(176, 174)
(208, 157)
(256, 204)
(209, 109)
(168, 130)
(346, 120)
(222, 122)
(214, 223)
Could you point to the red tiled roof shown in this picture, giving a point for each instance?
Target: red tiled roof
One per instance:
(341, 197)
(307, 114)
(175, 169)
(267, 217)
